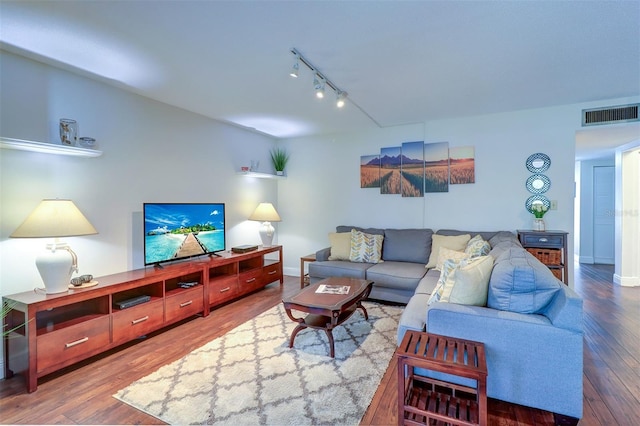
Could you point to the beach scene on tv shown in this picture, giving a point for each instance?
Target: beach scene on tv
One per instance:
(175, 231)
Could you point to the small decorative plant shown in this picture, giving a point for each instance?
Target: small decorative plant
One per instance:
(539, 210)
(5, 310)
(279, 157)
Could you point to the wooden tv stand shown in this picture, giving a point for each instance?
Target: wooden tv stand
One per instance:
(62, 329)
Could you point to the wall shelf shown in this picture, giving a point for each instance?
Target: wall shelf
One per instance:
(47, 148)
(260, 175)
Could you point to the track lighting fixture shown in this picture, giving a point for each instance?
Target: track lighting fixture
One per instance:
(341, 98)
(319, 80)
(318, 85)
(295, 68)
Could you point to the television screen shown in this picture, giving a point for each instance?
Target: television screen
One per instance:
(175, 231)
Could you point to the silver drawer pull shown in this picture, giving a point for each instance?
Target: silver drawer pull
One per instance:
(250, 280)
(77, 342)
(543, 240)
(272, 272)
(182, 305)
(139, 320)
(225, 289)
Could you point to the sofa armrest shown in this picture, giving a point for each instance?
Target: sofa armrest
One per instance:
(322, 255)
(525, 353)
(565, 310)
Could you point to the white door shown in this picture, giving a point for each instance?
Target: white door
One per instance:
(604, 214)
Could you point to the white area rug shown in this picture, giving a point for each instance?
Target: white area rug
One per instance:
(249, 376)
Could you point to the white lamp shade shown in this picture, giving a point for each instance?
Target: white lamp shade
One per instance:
(265, 212)
(53, 219)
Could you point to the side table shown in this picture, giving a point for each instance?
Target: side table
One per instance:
(550, 247)
(304, 278)
(419, 401)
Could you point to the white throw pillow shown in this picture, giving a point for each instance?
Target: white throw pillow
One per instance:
(365, 248)
(340, 245)
(468, 284)
(446, 254)
(457, 242)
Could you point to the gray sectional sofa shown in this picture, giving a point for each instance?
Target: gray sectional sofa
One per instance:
(531, 324)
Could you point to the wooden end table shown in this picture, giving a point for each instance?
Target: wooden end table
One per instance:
(419, 401)
(325, 311)
(304, 278)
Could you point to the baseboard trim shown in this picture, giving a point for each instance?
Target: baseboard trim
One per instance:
(586, 259)
(626, 281)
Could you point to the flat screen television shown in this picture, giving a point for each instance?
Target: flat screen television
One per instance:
(174, 231)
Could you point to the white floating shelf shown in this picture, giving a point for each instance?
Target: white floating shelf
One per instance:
(260, 175)
(47, 148)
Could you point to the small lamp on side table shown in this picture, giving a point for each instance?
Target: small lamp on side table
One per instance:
(54, 219)
(266, 213)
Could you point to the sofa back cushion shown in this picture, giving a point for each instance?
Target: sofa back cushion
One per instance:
(521, 283)
(453, 232)
(407, 245)
(373, 231)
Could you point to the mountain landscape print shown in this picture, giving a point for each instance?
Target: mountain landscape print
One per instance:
(412, 161)
(390, 165)
(370, 171)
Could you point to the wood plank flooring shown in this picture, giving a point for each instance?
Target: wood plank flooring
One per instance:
(81, 394)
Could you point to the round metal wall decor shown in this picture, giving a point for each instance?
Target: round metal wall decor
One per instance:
(538, 184)
(538, 162)
(537, 199)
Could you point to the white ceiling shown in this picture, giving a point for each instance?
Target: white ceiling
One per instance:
(400, 61)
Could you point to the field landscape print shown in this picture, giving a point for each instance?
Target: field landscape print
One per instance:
(390, 165)
(370, 171)
(462, 165)
(436, 172)
(412, 160)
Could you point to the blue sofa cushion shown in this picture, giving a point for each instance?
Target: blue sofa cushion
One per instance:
(338, 268)
(407, 245)
(521, 283)
(400, 275)
(373, 231)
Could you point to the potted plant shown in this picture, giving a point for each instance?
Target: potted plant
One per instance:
(279, 157)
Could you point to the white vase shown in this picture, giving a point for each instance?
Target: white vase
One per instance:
(538, 224)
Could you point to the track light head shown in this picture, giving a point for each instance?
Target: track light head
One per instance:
(296, 68)
(341, 98)
(318, 85)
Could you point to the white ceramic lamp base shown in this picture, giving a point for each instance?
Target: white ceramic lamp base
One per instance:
(56, 265)
(266, 234)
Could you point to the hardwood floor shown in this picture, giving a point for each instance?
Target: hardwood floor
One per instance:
(82, 394)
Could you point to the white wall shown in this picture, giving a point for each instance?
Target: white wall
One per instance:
(627, 221)
(323, 188)
(152, 153)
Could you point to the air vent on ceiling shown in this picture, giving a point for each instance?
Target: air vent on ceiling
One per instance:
(608, 115)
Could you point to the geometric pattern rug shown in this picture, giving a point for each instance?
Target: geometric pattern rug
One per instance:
(249, 376)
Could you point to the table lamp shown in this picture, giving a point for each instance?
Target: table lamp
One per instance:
(266, 213)
(54, 219)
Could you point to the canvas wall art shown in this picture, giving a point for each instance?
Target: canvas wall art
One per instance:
(390, 164)
(436, 172)
(370, 171)
(462, 165)
(412, 164)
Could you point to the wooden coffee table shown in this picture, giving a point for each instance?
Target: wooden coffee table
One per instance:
(325, 311)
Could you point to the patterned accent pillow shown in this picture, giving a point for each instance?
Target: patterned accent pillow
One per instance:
(448, 269)
(365, 248)
(469, 284)
(477, 246)
(446, 254)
